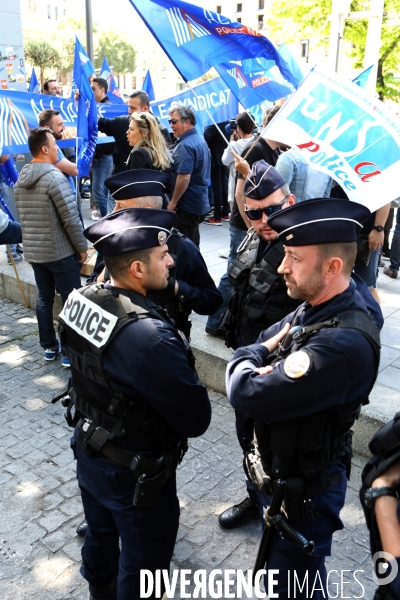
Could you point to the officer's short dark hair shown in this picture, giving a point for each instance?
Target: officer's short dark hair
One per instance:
(37, 138)
(347, 251)
(119, 264)
(102, 83)
(46, 84)
(46, 116)
(245, 122)
(185, 112)
(143, 97)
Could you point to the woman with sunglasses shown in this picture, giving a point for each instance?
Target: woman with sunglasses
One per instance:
(149, 150)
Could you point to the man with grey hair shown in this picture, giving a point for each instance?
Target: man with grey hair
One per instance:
(190, 172)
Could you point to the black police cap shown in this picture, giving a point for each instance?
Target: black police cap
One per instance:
(131, 229)
(262, 181)
(319, 221)
(137, 183)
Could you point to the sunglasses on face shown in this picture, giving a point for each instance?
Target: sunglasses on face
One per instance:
(255, 214)
(173, 121)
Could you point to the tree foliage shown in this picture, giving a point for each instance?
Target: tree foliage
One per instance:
(42, 54)
(121, 55)
(64, 39)
(293, 20)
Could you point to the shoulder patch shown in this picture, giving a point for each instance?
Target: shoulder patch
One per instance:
(88, 319)
(297, 364)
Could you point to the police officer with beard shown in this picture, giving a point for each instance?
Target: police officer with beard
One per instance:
(137, 399)
(260, 296)
(305, 393)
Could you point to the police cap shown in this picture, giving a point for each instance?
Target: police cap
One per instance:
(137, 183)
(130, 229)
(319, 221)
(262, 181)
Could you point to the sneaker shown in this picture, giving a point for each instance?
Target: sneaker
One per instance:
(212, 221)
(95, 216)
(50, 354)
(235, 516)
(19, 249)
(65, 362)
(17, 258)
(226, 217)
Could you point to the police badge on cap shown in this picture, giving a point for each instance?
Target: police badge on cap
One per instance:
(131, 229)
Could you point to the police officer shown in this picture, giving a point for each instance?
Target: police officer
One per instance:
(137, 398)
(190, 286)
(305, 397)
(260, 296)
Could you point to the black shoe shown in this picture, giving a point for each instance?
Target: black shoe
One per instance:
(236, 515)
(105, 592)
(82, 528)
(216, 333)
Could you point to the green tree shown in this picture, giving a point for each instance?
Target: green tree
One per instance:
(43, 55)
(64, 39)
(293, 20)
(119, 51)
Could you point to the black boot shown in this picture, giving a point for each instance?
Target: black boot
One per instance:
(82, 528)
(105, 592)
(235, 516)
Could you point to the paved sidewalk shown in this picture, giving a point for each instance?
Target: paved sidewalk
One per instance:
(40, 502)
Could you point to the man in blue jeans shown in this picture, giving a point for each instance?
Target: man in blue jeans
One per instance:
(52, 232)
(103, 160)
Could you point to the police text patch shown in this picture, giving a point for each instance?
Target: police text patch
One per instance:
(88, 319)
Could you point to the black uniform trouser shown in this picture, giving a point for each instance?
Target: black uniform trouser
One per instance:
(147, 535)
(245, 435)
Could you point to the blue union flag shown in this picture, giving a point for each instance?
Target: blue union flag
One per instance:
(196, 39)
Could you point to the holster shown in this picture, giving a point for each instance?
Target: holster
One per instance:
(149, 485)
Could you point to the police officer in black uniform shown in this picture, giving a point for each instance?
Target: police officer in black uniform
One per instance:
(136, 397)
(190, 286)
(260, 296)
(306, 393)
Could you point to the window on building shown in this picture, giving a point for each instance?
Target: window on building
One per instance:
(164, 66)
(218, 10)
(56, 13)
(304, 49)
(48, 11)
(180, 86)
(239, 7)
(64, 12)
(260, 4)
(133, 82)
(239, 19)
(260, 21)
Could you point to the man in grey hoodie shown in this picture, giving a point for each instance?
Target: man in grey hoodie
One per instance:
(52, 233)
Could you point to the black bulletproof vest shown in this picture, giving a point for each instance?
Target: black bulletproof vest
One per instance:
(114, 414)
(167, 298)
(260, 298)
(306, 445)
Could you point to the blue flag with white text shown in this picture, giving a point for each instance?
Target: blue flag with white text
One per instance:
(114, 95)
(87, 113)
(196, 39)
(148, 86)
(34, 85)
(82, 64)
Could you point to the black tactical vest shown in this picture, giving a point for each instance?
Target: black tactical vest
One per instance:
(260, 298)
(112, 413)
(306, 445)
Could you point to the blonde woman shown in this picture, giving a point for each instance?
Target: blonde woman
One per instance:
(149, 150)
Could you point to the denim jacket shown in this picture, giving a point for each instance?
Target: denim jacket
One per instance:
(304, 181)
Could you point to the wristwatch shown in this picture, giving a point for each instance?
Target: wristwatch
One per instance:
(378, 228)
(373, 493)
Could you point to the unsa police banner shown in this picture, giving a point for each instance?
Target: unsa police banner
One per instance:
(344, 132)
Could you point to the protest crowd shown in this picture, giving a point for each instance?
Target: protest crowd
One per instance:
(298, 305)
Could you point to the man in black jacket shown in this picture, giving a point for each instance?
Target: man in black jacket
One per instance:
(117, 127)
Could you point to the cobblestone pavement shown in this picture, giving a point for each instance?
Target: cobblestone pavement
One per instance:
(40, 501)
